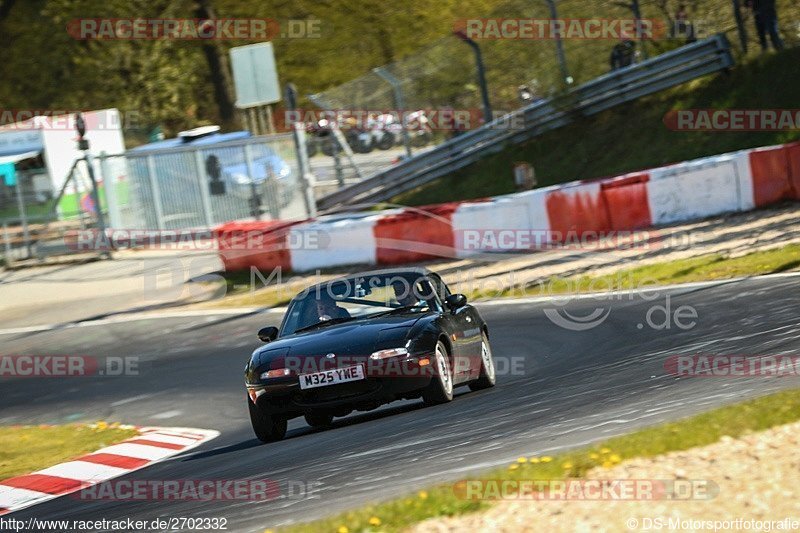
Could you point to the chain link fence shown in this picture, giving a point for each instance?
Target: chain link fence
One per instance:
(36, 220)
(203, 186)
(443, 75)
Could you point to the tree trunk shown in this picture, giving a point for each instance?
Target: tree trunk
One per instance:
(219, 70)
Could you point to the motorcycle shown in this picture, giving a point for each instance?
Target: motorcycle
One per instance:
(419, 128)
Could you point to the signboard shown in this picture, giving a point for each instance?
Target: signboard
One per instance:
(255, 75)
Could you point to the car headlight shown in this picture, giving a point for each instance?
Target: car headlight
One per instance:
(391, 352)
(277, 373)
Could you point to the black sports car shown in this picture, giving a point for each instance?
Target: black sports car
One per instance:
(358, 342)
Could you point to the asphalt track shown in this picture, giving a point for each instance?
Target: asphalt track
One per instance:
(573, 387)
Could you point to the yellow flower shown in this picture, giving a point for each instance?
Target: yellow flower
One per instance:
(607, 464)
(343, 529)
(267, 531)
(614, 458)
(593, 456)
(534, 459)
(605, 450)
(374, 521)
(423, 495)
(522, 460)
(546, 459)
(567, 465)
(513, 466)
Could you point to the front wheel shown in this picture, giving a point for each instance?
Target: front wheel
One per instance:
(268, 427)
(440, 389)
(487, 377)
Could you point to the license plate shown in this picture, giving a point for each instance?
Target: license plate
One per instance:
(331, 377)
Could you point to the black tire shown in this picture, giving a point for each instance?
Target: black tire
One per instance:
(440, 389)
(329, 146)
(317, 420)
(312, 146)
(487, 377)
(268, 427)
(386, 142)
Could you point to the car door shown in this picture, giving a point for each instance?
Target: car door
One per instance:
(464, 335)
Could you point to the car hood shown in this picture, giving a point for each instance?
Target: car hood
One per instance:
(357, 338)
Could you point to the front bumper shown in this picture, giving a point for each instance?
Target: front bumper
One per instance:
(385, 381)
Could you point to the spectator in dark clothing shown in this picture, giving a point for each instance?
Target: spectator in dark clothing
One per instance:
(682, 27)
(623, 54)
(766, 19)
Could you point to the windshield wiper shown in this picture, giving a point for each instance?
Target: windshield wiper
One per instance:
(325, 323)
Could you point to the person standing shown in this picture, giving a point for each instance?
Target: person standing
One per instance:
(682, 26)
(765, 17)
(623, 54)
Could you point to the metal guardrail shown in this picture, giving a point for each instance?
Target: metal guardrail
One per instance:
(612, 89)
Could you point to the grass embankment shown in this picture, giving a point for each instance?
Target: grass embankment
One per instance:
(633, 137)
(26, 449)
(701, 268)
(700, 430)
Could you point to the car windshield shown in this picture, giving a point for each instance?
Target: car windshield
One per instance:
(356, 298)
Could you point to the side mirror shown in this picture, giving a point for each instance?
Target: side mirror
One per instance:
(269, 333)
(454, 301)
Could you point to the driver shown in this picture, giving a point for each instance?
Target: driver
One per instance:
(404, 293)
(327, 309)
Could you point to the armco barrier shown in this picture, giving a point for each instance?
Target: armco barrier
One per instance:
(611, 89)
(737, 181)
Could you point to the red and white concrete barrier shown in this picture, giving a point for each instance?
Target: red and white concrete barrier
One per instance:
(737, 181)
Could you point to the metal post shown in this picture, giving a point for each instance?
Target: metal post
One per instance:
(487, 108)
(307, 178)
(562, 60)
(26, 235)
(208, 214)
(101, 221)
(337, 165)
(399, 103)
(114, 217)
(255, 198)
(737, 14)
(7, 241)
(637, 15)
(303, 165)
(151, 174)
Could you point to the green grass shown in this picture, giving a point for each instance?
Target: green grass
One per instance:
(632, 137)
(25, 449)
(700, 268)
(700, 430)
